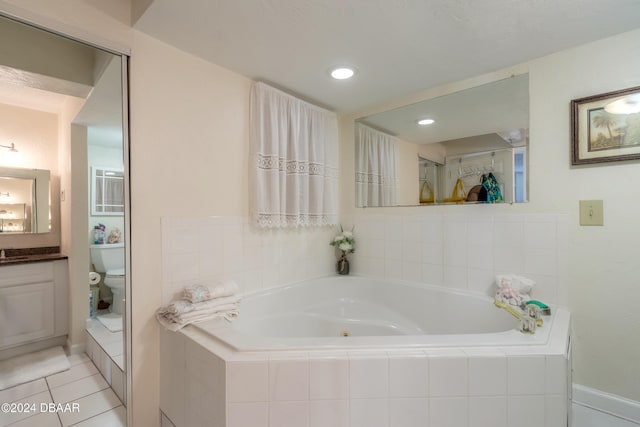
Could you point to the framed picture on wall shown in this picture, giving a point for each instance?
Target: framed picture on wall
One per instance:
(606, 127)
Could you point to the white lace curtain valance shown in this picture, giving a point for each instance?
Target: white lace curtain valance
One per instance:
(376, 167)
(294, 160)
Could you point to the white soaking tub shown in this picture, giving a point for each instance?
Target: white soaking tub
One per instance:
(358, 312)
(365, 350)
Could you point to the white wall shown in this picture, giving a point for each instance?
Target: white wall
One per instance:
(602, 261)
(189, 165)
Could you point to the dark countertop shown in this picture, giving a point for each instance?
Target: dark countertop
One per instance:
(29, 255)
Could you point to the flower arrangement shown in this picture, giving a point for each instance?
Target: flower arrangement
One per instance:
(347, 245)
(344, 241)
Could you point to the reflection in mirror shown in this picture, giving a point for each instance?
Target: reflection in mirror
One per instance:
(24, 200)
(430, 175)
(63, 103)
(376, 167)
(107, 191)
(474, 137)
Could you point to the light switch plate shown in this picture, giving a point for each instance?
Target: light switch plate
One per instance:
(591, 212)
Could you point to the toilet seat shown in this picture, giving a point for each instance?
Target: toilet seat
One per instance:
(116, 273)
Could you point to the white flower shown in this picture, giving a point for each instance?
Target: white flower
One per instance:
(344, 241)
(345, 246)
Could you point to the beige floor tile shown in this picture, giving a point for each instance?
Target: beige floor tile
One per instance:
(76, 359)
(23, 390)
(90, 406)
(73, 391)
(44, 419)
(32, 403)
(116, 417)
(76, 372)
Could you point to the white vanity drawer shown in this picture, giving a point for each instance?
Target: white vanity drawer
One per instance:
(34, 272)
(26, 313)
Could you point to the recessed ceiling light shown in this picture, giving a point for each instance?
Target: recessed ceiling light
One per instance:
(342, 73)
(425, 122)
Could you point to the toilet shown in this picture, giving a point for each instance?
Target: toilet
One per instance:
(108, 259)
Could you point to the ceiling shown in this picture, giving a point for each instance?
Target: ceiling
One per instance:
(497, 107)
(398, 46)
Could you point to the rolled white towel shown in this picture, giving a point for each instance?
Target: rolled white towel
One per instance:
(199, 293)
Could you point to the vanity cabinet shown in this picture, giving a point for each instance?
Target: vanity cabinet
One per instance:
(33, 302)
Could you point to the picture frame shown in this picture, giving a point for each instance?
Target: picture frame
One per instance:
(606, 127)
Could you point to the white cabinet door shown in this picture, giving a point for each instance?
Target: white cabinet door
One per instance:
(26, 313)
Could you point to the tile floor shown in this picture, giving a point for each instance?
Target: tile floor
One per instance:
(97, 404)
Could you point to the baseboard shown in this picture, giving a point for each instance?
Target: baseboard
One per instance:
(605, 402)
(75, 348)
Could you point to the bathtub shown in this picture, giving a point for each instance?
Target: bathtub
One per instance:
(354, 351)
(348, 312)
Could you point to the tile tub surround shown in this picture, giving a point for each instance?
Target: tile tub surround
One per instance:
(210, 249)
(464, 251)
(201, 379)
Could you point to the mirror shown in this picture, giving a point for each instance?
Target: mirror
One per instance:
(473, 135)
(24, 200)
(63, 106)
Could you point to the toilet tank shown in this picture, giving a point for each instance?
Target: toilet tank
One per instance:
(108, 256)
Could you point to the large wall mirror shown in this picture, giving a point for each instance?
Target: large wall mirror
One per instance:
(466, 147)
(24, 200)
(63, 114)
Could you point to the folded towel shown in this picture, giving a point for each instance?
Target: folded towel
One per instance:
(202, 314)
(174, 322)
(178, 307)
(200, 303)
(199, 293)
(173, 325)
